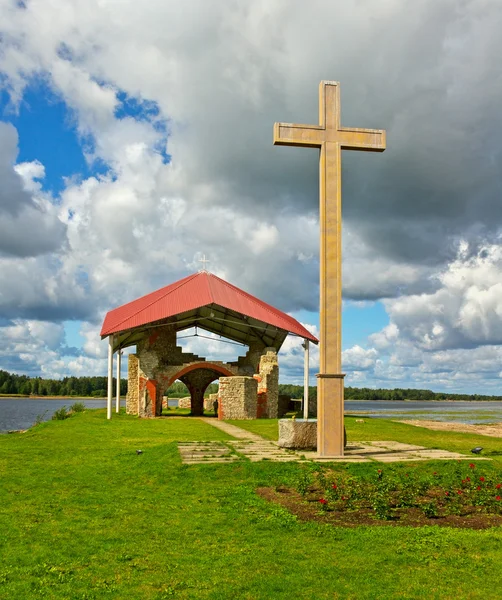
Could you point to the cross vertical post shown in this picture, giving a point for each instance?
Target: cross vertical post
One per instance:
(331, 139)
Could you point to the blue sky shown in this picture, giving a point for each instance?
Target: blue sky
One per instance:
(47, 133)
(131, 146)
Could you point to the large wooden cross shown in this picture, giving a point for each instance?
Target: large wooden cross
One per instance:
(331, 138)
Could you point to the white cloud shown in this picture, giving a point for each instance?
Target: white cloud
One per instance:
(216, 78)
(359, 359)
(29, 225)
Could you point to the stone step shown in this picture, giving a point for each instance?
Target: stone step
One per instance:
(200, 461)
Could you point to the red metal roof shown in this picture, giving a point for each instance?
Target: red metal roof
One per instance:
(190, 293)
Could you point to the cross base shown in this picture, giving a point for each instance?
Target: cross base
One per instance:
(330, 431)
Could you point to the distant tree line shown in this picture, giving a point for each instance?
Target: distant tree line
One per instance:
(76, 386)
(68, 386)
(352, 393)
(97, 386)
(180, 390)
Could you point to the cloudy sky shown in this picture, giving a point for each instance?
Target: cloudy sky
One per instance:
(136, 136)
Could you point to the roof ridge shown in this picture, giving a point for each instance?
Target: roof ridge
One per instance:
(204, 288)
(181, 284)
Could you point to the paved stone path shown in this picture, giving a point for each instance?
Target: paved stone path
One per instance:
(262, 449)
(253, 447)
(205, 452)
(388, 451)
(236, 432)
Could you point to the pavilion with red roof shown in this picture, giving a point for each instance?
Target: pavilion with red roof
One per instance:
(248, 387)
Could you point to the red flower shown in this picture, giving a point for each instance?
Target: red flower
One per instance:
(334, 486)
(406, 475)
(459, 492)
(463, 481)
(498, 498)
(479, 487)
(472, 466)
(467, 478)
(344, 498)
(323, 501)
(447, 493)
(481, 479)
(498, 486)
(379, 471)
(434, 473)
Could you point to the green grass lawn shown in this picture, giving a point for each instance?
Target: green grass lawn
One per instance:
(82, 516)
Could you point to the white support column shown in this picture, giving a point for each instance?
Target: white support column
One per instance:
(117, 402)
(110, 378)
(306, 380)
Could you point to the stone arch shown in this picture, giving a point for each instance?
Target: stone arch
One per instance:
(197, 377)
(200, 365)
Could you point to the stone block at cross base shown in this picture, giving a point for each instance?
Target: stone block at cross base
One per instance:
(297, 434)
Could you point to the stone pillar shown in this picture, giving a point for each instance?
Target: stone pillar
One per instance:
(237, 398)
(197, 401)
(268, 385)
(150, 398)
(132, 385)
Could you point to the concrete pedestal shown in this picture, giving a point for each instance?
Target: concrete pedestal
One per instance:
(297, 434)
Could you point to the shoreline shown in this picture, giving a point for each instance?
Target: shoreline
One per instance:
(38, 397)
(56, 397)
(491, 430)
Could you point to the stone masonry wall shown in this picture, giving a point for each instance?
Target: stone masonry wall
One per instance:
(237, 398)
(159, 361)
(209, 401)
(132, 385)
(184, 402)
(251, 393)
(248, 364)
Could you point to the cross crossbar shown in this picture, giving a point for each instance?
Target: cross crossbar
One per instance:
(329, 129)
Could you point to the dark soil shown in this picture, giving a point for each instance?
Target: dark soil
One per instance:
(310, 510)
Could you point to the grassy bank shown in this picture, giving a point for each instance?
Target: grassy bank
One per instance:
(84, 517)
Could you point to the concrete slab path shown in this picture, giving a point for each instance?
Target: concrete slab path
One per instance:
(253, 447)
(236, 432)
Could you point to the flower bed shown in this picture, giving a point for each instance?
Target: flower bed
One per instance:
(458, 495)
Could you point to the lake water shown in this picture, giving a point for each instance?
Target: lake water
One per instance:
(23, 412)
(459, 412)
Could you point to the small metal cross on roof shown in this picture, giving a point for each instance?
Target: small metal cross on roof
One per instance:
(203, 260)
